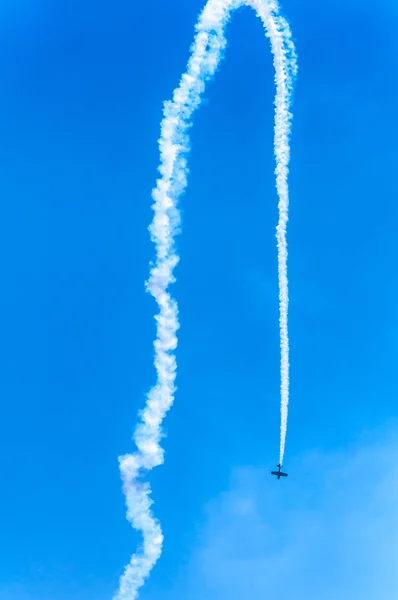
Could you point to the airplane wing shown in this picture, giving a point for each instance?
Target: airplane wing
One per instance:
(274, 473)
(283, 474)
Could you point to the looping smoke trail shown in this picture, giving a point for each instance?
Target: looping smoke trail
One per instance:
(206, 53)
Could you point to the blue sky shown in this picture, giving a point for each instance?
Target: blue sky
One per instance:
(82, 93)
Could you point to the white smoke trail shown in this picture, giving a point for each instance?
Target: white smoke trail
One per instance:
(285, 65)
(206, 53)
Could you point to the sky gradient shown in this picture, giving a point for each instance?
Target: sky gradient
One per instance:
(82, 94)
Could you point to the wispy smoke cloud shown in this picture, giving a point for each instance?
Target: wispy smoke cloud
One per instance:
(206, 53)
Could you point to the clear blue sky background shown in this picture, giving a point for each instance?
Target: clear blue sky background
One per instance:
(82, 86)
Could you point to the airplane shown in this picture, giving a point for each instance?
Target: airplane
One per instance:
(279, 473)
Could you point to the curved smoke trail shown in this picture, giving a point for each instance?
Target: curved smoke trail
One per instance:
(206, 53)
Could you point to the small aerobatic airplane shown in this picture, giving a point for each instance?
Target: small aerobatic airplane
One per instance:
(279, 473)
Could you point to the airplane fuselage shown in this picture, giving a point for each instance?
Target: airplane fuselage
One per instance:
(279, 473)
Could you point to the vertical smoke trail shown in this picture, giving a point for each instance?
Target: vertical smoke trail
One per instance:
(285, 65)
(206, 53)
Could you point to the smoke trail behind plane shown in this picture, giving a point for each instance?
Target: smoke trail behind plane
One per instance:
(206, 53)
